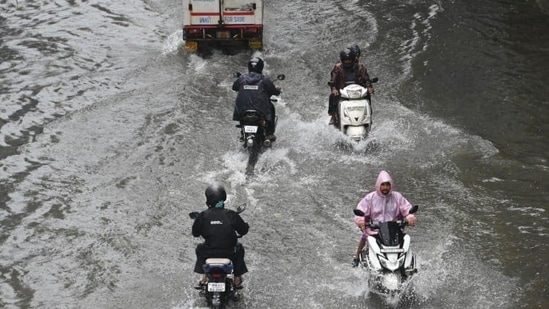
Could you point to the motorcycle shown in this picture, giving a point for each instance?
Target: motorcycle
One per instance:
(252, 131)
(354, 114)
(388, 257)
(219, 287)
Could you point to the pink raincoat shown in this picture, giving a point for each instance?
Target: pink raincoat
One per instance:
(382, 208)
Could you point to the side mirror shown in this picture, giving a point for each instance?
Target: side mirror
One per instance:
(358, 212)
(414, 209)
(281, 77)
(331, 83)
(374, 80)
(240, 208)
(193, 215)
(237, 74)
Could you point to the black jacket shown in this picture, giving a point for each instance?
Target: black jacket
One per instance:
(219, 227)
(254, 92)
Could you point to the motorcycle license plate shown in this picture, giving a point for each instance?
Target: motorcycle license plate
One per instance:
(250, 129)
(216, 286)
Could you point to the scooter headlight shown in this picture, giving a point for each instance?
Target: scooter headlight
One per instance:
(383, 261)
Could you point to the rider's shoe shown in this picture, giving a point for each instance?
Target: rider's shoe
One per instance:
(200, 285)
(355, 261)
(271, 137)
(332, 120)
(238, 283)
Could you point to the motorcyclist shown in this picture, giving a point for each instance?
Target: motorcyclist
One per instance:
(254, 92)
(219, 227)
(382, 205)
(348, 71)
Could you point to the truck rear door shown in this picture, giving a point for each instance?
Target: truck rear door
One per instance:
(205, 12)
(238, 12)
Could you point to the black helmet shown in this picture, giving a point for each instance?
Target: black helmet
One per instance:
(215, 193)
(347, 57)
(255, 65)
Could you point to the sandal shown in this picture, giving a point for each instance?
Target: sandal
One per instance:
(238, 282)
(200, 285)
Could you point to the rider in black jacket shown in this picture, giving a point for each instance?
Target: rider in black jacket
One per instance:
(254, 92)
(219, 227)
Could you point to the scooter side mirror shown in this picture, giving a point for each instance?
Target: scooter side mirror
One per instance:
(358, 212)
(331, 83)
(414, 209)
(281, 77)
(240, 208)
(237, 74)
(374, 80)
(193, 215)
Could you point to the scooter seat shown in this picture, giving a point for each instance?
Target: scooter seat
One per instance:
(218, 261)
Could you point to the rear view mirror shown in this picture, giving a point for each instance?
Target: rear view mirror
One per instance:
(241, 208)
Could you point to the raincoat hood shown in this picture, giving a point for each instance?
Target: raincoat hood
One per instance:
(381, 178)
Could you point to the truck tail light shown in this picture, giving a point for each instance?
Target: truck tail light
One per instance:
(194, 31)
(251, 30)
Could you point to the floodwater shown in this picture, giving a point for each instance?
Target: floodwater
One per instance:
(110, 133)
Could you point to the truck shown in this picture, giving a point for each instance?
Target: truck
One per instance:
(220, 23)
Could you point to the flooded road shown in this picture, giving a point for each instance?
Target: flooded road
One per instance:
(110, 133)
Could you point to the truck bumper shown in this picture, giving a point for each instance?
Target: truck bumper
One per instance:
(226, 35)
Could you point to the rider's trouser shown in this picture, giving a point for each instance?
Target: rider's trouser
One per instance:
(332, 104)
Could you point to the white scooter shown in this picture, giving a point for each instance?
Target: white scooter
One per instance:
(354, 114)
(388, 256)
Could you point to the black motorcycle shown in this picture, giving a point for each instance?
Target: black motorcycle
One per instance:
(219, 287)
(253, 136)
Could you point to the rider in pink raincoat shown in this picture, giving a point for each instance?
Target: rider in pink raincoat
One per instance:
(382, 205)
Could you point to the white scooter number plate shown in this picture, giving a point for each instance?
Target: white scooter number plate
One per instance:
(216, 286)
(250, 129)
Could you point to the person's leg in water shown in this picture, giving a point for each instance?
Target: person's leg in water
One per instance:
(271, 125)
(240, 267)
(332, 108)
(360, 247)
(200, 260)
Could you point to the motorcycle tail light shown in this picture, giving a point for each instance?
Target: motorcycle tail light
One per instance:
(216, 275)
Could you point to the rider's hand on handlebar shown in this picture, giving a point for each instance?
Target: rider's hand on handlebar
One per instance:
(371, 90)
(335, 91)
(411, 220)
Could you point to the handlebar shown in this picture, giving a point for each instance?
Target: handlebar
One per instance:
(375, 224)
(332, 83)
